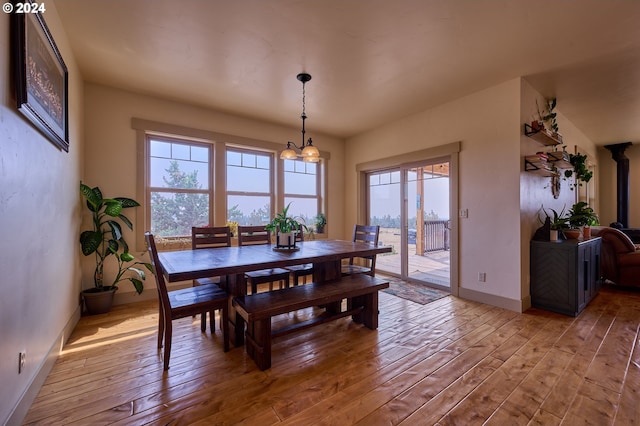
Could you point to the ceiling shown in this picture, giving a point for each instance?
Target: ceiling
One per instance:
(372, 61)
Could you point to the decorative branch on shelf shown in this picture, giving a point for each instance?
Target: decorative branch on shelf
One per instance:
(550, 116)
(537, 129)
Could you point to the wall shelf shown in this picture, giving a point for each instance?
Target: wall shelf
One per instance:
(543, 136)
(539, 165)
(560, 159)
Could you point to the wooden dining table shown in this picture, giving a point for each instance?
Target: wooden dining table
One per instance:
(232, 263)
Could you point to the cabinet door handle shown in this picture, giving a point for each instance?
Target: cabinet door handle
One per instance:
(586, 275)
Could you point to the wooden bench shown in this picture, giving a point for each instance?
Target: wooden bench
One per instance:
(361, 292)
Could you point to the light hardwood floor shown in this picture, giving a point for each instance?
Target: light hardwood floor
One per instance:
(451, 362)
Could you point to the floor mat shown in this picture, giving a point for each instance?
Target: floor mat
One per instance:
(415, 292)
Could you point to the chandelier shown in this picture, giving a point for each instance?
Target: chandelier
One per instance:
(309, 153)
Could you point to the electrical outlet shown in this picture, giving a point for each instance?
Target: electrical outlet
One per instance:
(22, 358)
(464, 213)
(482, 276)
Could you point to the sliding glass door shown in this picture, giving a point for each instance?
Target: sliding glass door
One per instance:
(412, 205)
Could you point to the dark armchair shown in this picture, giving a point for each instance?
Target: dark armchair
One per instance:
(620, 258)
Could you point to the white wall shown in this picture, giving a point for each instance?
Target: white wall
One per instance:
(39, 256)
(503, 201)
(487, 124)
(110, 160)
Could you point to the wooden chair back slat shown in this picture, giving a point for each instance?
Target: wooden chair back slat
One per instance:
(367, 234)
(210, 237)
(253, 235)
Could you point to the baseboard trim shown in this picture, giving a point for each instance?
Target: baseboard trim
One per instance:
(150, 293)
(493, 300)
(31, 392)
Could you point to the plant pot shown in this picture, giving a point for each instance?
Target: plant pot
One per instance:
(320, 229)
(586, 232)
(572, 234)
(98, 301)
(553, 235)
(285, 239)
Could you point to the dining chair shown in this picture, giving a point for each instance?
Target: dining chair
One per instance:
(366, 234)
(297, 271)
(184, 303)
(254, 235)
(209, 237)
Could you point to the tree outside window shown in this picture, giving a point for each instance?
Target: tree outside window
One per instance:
(179, 192)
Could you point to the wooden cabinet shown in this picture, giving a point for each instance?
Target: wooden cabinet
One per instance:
(565, 275)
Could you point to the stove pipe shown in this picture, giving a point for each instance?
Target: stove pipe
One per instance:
(617, 153)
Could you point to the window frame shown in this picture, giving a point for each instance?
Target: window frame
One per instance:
(149, 189)
(319, 179)
(272, 194)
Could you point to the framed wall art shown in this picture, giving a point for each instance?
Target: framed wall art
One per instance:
(41, 78)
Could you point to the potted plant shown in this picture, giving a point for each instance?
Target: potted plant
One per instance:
(320, 222)
(558, 222)
(104, 240)
(583, 216)
(285, 227)
(580, 170)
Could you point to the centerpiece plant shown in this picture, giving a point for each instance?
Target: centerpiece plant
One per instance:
(106, 240)
(285, 227)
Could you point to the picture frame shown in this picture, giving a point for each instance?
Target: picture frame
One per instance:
(41, 78)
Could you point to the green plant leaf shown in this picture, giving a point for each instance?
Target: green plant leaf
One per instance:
(123, 245)
(93, 198)
(137, 284)
(116, 230)
(126, 221)
(90, 241)
(113, 207)
(138, 271)
(127, 202)
(112, 247)
(127, 257)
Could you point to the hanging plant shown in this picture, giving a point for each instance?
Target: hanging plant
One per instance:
(580, 170)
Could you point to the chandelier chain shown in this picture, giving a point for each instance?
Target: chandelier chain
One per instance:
(303, 100)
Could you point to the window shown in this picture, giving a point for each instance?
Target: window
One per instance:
(179, 190)
(302, 189)
(249, 186)
(192, 177)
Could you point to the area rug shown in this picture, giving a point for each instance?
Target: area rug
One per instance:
(418, 293)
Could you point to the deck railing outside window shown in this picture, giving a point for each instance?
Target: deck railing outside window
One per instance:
(436, 235)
